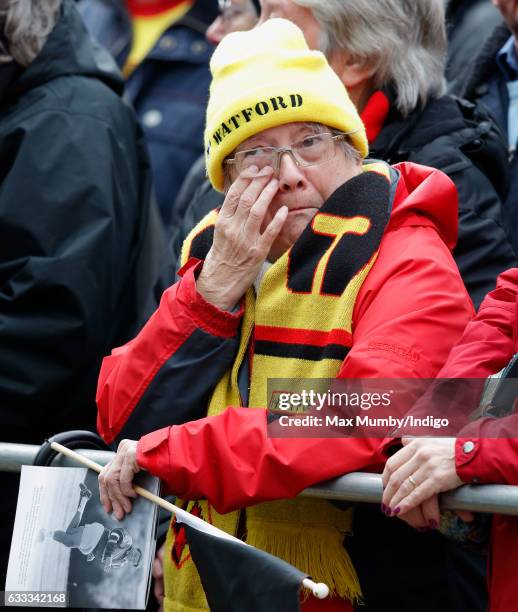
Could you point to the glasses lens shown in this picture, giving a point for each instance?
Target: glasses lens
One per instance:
(255, 157)
(231, 14)
(314, 149)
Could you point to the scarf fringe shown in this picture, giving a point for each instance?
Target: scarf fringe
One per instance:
(318, 552)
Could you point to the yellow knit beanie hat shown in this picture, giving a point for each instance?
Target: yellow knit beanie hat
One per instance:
(268, 77)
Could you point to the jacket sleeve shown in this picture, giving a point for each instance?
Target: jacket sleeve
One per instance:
(411, 309)
(486, 449)
(487, 343)
(68, 215)
(483, 250)
(165, 375)
(486, 346)
(232, 461)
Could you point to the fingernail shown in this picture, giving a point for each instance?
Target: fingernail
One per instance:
(265, 171)
(249, 173)
(397, 510)
(388, 511)
(383, 508)
(433, 524)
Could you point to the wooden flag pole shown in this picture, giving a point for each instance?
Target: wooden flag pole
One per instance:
(97, 468)
(319, 589)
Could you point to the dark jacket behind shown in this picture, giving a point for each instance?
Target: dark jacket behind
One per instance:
(470, 23)
(169, 89)
(79, 242)
(485, 85)
(451, 135)
(461, 140)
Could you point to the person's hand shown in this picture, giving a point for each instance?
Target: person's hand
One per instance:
(419, 471)
(116, 480)
(509, 10)
(158, 575)
(241, 244)
(427, 516)
(423, 517)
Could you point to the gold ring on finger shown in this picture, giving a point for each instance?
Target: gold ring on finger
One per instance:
(412, 481)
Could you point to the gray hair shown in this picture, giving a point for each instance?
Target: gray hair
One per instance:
(351, 152)
(403, 40)
(25, 26)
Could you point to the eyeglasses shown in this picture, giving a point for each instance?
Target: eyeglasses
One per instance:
(310, 151)
(229, 12)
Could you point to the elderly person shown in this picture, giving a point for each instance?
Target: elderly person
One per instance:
(317, 265)
(485, 451)
(80, 240)
(390, 55)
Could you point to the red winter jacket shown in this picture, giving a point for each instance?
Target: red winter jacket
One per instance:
(487, 346)
(410, 311)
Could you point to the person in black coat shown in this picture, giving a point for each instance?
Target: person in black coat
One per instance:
(493, 83)
(81, 242)
(469, 23)
(398, 85)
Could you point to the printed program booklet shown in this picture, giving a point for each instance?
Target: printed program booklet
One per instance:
(64, 542)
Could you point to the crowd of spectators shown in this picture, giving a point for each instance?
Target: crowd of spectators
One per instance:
(264, 188)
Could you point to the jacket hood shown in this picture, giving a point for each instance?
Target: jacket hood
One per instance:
(69, 50)
(425, 197)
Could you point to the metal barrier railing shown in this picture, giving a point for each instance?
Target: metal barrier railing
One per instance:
(358, 487)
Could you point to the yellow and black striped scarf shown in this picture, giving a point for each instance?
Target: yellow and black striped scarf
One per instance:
(300, 326)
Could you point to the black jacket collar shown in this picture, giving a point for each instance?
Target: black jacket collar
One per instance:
(401, 136)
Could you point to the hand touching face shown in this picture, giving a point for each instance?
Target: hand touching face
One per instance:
(264, 211)
(242, 238)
